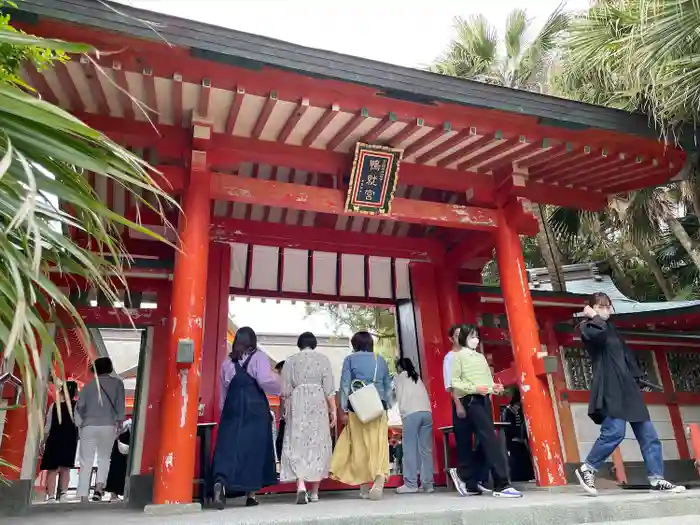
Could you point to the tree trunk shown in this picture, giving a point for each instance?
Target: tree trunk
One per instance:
(621, 280)
(546, 242)
(693, 190)
(655, 268)
(685, 240)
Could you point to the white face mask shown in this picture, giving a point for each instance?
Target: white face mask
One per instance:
(604, 314)
(473, 343)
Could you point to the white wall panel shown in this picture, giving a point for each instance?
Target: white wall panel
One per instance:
(264, 268)
(381, 284)
(295, 271)
(352, 277)
(324, 273)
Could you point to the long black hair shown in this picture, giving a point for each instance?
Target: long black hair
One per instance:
(245, 341)
(405, 364)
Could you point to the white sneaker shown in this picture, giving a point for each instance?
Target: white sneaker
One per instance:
(586, 478)
(364, 491)
(403, 489)
(457, 482)
(661, 485)
(484, 489)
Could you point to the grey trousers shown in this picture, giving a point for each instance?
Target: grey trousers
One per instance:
(418, 449)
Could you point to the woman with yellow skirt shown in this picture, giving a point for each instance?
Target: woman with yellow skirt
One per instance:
(361, 455)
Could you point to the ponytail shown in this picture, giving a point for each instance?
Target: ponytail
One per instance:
(405, 364)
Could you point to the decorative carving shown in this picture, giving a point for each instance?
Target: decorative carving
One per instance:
(579, 372)
(685, 370)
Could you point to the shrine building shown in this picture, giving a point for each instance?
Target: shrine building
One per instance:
(314, 176)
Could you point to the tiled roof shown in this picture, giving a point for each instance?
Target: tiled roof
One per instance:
(586, 279)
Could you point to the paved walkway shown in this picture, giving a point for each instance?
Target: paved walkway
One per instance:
(536, 508)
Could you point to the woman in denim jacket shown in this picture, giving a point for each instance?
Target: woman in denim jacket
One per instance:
(361, 456)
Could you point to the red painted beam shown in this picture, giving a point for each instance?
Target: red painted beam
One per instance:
(503, 146)
(380, 128)
(149, 86)
(465, 150)
(204, 97)
(177, 99)
(407, 132)
(68, 86)
(323, 200)
(322, 239)
(264, 115)
(227, 152)
(321, 125)
(469, 249)
(544, 156)
(445, 146)
(426, 139)
(347, 130)
(124, 98)
(293, 120)
(236, 103)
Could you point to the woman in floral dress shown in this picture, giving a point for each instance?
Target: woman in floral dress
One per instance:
(308, 390)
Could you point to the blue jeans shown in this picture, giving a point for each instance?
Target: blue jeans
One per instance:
(418, 449)
(612, 432)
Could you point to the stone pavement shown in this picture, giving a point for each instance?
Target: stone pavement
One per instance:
(567, 507)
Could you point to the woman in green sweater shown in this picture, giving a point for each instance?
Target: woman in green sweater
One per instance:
(472, 382)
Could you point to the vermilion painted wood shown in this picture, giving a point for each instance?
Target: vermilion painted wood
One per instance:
(324, 200)
(433, 346)
(177, 450)
(323, 239)
(165, 60)
(537, 405)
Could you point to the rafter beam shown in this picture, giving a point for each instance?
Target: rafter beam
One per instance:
(326, 200)
(225, 151)
(323, 239)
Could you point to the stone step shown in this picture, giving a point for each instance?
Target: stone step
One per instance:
(564, 507)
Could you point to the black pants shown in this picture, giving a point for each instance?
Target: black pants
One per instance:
(479, 423)
(482, 467)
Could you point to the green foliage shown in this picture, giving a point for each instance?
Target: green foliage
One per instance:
(45, 155)
(378, 321)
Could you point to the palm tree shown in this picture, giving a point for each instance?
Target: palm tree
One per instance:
(518, 63)
(644, 57)
(45, 156)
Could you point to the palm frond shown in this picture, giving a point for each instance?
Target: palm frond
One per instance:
(45, 157)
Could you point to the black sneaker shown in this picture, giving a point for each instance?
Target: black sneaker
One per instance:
(661, 485)
(302, 497)
(586, 479)
(473, 491)
(97, 495)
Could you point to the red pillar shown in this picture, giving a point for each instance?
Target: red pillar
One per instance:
(176, 457)
(448, 293)
(432, 346)
(537, 403)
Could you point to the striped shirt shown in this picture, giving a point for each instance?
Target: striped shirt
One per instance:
(470, 370)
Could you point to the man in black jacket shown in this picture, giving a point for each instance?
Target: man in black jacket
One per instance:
(616, 398)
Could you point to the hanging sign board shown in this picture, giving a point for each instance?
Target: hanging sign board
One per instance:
(373, 179)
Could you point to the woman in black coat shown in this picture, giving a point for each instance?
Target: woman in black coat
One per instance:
(616, 398)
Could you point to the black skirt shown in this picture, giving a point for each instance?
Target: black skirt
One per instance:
(61, 442)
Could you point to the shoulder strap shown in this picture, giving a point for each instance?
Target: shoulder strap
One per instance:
(245, 364)
(114, 408)
(376, 363)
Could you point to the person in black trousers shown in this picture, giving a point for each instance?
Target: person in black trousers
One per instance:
(471, 383)
(282, 424)
(459, 474)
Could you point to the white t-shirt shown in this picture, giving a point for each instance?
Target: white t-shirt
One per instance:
(411, 396)
(447, 369)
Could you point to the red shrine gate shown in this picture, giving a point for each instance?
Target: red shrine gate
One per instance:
(257, 137)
